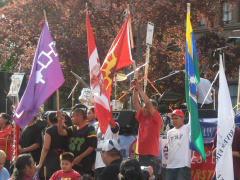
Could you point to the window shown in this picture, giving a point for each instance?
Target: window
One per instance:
(202, 22)
(227, 15)
(233, 89)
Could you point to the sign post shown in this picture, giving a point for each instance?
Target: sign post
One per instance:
(150, 29)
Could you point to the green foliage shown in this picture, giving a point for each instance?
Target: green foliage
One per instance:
(7, 65)
(4, 2)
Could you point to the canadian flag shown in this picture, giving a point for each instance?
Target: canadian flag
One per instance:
(101, 102)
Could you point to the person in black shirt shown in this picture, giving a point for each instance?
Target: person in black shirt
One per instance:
(111, 156)
(83, 141)
(53, 146)
(30, 140)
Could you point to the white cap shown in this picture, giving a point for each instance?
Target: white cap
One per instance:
(109, 145)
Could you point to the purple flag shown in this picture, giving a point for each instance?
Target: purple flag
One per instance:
(45, 78)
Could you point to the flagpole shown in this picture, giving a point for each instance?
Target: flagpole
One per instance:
(45, 16)
(149, 38)
(188, 7)
(134, 69)
(57, 100)
(146, 67)
(130, 27)
(45, 169)
(238, 96)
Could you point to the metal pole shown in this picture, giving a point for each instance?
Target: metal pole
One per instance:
(72, 92)
(6, 105)
(115, 102)
(238, 96)
(115, 88)
(130, 96)
(146, 67)
(72, 98)
(214, 99)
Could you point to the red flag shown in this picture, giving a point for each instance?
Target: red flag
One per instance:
(118, 56)
(101, 102)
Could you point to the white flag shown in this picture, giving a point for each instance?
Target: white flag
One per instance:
(225, 132)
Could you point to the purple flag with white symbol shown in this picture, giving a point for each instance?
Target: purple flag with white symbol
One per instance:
(45, 78)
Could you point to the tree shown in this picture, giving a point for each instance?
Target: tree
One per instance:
(20, 32)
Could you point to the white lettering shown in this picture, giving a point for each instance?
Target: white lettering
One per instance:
(39, 77)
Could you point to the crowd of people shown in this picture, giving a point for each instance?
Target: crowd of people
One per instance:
(82, 151)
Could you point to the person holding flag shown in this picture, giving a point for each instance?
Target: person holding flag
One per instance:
(150, 123)
(182, 137)
(83, 140)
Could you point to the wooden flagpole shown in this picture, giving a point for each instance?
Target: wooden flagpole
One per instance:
(45, 16)
(45, 169)
(146, 67)
(130, 27)
(135, 70)
(57, 100)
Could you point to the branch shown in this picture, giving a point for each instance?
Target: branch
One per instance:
(202, 70)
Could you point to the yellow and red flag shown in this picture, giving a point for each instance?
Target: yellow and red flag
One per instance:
(119, 56)
(101, 102)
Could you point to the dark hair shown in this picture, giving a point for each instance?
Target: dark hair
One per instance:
(68, 121)
(64, 114)
(6, 116)
(86, 177)
(52, 117)
(80, 112)
(154, 103)
(68, 156)
(92, 109)
(130, 169)
(114, 153)
(21, 162)
(79, 106)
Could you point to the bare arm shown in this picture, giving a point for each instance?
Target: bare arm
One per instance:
(236, 153)
(135, 98)
(79, 158)
(61, 131)
(145, 98)
(29, 148)
(45, 149)
(214, 151)
(150, 171)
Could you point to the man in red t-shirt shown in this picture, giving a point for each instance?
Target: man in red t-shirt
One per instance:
(150, 123)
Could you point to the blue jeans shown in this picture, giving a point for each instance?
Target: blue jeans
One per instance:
(178, 174)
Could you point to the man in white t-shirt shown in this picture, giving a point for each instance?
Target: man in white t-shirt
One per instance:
(202, 89)
(179, 154)
(111, 133)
